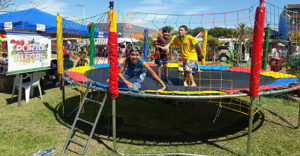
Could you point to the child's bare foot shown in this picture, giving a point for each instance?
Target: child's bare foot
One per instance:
(185, 84)
(194, 85)
(180, 69)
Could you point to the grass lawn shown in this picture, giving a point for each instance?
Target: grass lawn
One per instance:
(145, 125)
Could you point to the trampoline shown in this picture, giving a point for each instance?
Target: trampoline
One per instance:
(213, 82)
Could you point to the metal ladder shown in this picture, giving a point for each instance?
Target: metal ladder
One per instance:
(77, 118)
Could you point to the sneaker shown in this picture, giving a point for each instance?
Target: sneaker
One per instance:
(45, 152)
(57, 84)
(49, 84)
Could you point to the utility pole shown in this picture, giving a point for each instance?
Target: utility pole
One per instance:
(82, 6)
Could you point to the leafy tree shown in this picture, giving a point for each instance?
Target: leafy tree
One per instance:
(196, 31)
(295, 35)
(213, 44)
(221, 32)
(5, 4)
(140, 44)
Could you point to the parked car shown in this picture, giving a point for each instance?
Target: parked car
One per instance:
(223, 53)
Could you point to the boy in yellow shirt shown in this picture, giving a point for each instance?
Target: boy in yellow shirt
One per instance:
(189, 47)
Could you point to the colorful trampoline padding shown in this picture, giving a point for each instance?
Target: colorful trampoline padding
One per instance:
(277, 74)
(238, 69)
(202, 67)
(279, 80)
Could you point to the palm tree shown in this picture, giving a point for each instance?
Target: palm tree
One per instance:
(241, 33)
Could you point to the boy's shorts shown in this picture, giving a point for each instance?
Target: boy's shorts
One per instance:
(138, 77)
(162, 60)
(189, 65)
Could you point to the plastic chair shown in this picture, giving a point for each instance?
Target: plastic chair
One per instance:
(34, 82)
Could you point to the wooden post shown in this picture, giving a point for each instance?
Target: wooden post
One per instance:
(20, 90)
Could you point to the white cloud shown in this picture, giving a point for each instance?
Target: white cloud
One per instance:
(152, 8)
(151, 2)
(161, 13)
(168, 7)
(197, 10)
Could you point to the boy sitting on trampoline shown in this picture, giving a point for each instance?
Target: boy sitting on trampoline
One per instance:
(189, 47)
(134, 66)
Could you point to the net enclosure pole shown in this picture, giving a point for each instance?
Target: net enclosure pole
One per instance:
(266, 48)
(255, 65)
(204, 44)
(145, 44)
(92, 41)
(113, 68)
(60, 67)
(113, 53)
(60, 61)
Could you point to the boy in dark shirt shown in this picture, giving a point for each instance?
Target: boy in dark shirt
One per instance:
(161, 56)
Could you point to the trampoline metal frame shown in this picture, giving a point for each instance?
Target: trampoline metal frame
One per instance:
(185, 96)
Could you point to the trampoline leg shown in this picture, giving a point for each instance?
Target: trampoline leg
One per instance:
(71, 113)
(298, 117)
(284, 119)
(249, 142)
(114, 128)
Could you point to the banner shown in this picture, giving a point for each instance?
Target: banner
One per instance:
(127, 26)
(28, 52)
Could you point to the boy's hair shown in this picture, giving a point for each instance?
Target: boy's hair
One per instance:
(135, 49)
(184, 27)
(4, 54)
(66, 56)
(166, 29)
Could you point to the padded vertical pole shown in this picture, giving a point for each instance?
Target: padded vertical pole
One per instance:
(60, 67)
(113, 55)
(204, 47)
(255, 65)
(92, 47)
(60, 61)
(257, 49)
(145, 44)
(266, 48)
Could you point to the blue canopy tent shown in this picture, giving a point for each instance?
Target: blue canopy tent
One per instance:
(28, 20)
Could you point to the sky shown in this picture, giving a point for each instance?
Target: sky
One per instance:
(69, 8)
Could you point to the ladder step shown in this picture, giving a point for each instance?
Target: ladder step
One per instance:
(78, 143)
(87, 122)
(88, 99)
